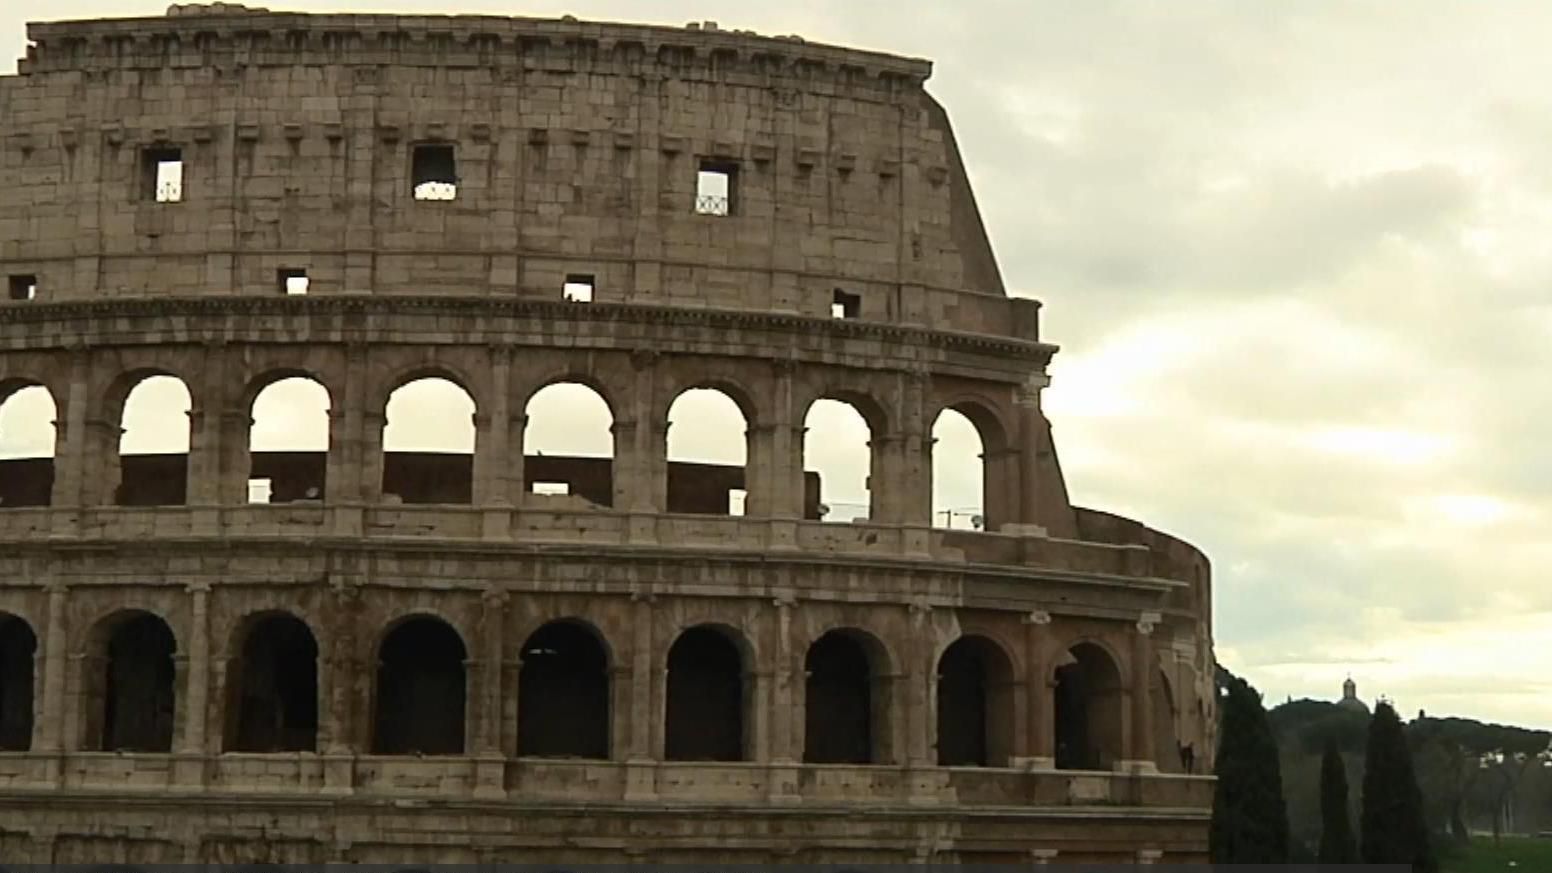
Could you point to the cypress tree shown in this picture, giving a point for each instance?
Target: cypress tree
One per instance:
(1392, 825)
(1337, 845)
(1250, 819)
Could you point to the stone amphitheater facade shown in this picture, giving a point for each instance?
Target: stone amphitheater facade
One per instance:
(404, 658)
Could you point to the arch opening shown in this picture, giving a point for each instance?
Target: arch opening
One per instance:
(975, 704)
(1088, 698)
(708, 451)
(959, 483)
(154, 447)
(18, 651)
(707, 698)
(568, 446)
(837, 462)
(1170, 752)
(421, 690)
(563, 694)
(845, 700)
(27, 444)
(138, 699)
(273, 701)
(428, 443)
(288, 442)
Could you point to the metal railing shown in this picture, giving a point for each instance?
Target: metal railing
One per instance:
(713, 204)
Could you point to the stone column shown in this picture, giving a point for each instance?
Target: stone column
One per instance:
(644, 734)
(206, 429)
(490, 766)
(370, 438)
(1030, 425)
(190, 760)
(71, 439)
(1141, 751)
(492, 466)
(339, 728)
(785, 703)
(49, 733)
(1039, 688)
(101, 470)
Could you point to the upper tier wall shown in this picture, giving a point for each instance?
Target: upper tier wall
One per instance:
(577, 148)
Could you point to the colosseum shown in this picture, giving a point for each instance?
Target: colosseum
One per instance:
(367, 653)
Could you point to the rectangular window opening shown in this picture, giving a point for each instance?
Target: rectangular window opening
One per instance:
(715, 185)
(434, 172)
(162, 169)
(24, 287)
(578, 289)
(846, 305)
(260, 490)
(294, 283)
(553, 489)
(737, 497)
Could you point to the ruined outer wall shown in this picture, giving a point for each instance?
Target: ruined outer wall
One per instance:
(577, 148)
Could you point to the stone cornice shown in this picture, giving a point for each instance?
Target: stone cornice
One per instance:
(236, 37)
(484, 309)
(1047, 584)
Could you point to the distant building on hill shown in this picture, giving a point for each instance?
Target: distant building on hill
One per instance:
(1350, 697)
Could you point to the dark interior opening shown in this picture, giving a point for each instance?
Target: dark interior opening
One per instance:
(153, 480)
(974, 705)
(429, 477)
(161, 174)
(139, 700)
(563, 694)
(839, 702)
(293, 476)
(846, 305)
(23, 287)
(26, 482)
(434, 172)
(705, 698)
(276, 694)
(1087, 711)
(18, 648)
(421, 690)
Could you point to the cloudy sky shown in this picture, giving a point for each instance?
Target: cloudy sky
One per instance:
(1297, 256)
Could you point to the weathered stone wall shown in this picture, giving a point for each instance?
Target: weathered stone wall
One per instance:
(577, 149)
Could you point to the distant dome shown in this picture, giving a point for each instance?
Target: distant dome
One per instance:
(1350, 697)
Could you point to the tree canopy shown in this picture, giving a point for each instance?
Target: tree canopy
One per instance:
(1250, 819)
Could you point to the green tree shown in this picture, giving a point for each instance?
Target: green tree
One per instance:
(1392, 825)
(1337, 845)
(1250, 818)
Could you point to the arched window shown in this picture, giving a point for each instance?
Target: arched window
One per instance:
(706, 698)
(958, 473)
(138, 697)
(568, 444)
(1088, 710)
(421, 690)
(845, 703)
(27, 417)
(154, 449)
(563, 694)
(272, 704)
(428, 443)
(975, 704)
(707, 454)
(18, 648)
(288, 443)
(837, 462)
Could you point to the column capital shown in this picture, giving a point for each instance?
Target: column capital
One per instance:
(1147, 622)
(55, 587)
(1038, 618)
(784, 601)
(641, 595)
(200, 587)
